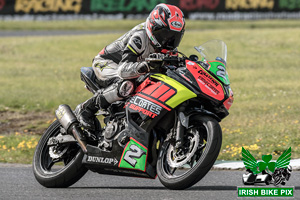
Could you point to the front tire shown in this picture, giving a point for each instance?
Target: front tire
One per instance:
(205, 153)
(59, 172)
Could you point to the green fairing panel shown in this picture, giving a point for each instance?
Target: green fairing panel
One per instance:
(134, 156)
(219, 69)
(182, 92)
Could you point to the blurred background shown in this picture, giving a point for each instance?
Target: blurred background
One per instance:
(43, 44)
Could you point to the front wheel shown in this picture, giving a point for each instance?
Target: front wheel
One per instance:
(60, 165)
(180, 168)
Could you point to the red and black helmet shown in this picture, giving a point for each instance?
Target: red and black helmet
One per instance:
(165, 26)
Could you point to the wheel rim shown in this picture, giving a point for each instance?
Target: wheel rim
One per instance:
(55, 159)
(177, 163)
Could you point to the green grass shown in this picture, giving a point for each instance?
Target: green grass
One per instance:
(17, 148)
(39, 73)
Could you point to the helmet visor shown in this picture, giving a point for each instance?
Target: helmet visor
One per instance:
(168, 39)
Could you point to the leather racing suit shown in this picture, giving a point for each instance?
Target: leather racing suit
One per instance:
(114, 66)
(122, 57)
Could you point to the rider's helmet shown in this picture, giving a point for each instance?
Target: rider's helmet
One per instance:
(165, 26)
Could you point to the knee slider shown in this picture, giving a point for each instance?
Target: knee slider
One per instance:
(125, 88)
(118, 91)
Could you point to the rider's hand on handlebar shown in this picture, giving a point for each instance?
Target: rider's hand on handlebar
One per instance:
(155, 60)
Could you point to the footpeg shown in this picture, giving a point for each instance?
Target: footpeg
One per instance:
(106, 146)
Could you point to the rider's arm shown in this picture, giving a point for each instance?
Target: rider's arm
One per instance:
(130, 67)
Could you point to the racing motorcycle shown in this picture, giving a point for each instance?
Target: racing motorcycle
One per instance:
(168, 128)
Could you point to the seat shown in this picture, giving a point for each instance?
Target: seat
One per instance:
(88, 76)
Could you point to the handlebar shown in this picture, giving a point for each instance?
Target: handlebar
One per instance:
(166, 59)
(169, 62)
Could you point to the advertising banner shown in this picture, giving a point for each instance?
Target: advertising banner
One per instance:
(139, 9)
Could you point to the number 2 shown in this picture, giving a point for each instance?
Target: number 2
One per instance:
(135, 152)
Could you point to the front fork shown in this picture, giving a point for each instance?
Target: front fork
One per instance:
(183, 116)
(182, 123)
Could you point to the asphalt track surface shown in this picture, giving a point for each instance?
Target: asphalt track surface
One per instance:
(18, 182)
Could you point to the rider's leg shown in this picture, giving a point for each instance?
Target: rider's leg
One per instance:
(106, 70)
(102, 99)
(115, 91)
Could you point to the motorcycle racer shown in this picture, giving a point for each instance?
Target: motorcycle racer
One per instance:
(121, 62)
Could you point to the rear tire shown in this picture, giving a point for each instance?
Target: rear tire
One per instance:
(59, 176)
(203, 164)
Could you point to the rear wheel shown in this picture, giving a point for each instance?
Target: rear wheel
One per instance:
(180, 168)
(59, 165)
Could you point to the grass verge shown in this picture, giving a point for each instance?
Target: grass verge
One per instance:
(17, 148)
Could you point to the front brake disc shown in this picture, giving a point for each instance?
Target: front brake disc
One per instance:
(177, 158)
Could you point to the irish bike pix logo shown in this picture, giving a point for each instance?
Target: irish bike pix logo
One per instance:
(271, 172)
(266, 172)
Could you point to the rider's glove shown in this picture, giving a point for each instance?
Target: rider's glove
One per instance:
(143, 68)
(156, 60)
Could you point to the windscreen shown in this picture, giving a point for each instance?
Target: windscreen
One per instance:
(213, 50)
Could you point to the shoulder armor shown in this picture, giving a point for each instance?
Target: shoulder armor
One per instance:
(137, 42)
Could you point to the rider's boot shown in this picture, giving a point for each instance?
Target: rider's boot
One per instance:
(86, 111)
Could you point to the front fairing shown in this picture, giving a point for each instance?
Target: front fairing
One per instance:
(206, 83)
(213, 56)
(211, 92)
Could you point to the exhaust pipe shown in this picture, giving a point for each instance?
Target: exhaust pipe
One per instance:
(68, 120)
